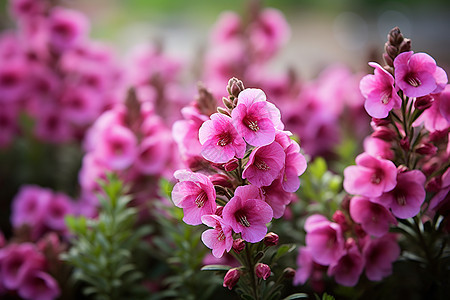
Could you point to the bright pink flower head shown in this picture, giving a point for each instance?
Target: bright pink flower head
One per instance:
(247, 214)
(324, 239)
(370, 177)
(379, 254)
(220, 140)
(256, 119)
(227, 28)
(153, 154)
(348, 268)
(295, 165)
(276, 197)
(66, 28)
(194, 193)
(220, 238)
(117, 147)
(378, 148)
(417, 74)
(16, 262)
(374, 218)
(80, 105)
(38, 285)
(379, 91)
(408, 195)
(305, 266)
(264, 164)
(437, 117)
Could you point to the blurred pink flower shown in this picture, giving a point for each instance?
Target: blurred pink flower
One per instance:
(220, 238)
(378, 148)
(305, 266)
(38, 285)
(348, 268)
(227, 28)
(276, 197)
(379, 254)
(437, 117)
(66, 28)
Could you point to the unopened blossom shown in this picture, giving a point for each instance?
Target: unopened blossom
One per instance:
(256, 119)
(418, 75)
(408, 195)
(324, 239)
(220, 140)
(370, 177)
(264, 164)
(248, 214)
(231, 278)
(348, 268)
(374, 218)
(271, 239)
(380, 93)
(262, 271)
(220, 238)
(194, 193)
(379, 255)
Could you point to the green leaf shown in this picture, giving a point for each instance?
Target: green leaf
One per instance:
(215, 268)
(318, 167)
(283, 250)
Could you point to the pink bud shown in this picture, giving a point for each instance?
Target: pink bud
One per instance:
(220, 179)
(289, 273)
(404, 143)
(380, 122)
(238, 245)
(423, 102)
(426, 149)
(339, 218)
(231, 165)
(231, 278)
(271, 239)
(384, 133)
(262, 271)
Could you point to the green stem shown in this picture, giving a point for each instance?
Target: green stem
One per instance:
(251, 270)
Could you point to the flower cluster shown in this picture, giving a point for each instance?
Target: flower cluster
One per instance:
(404, 164)
(50, 70)
(254, 168)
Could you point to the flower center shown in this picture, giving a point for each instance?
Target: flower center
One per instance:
(401, 200)
(413, 80)
(224, 139)
(261, 165)
(242, 219)
(201, 199)
(376, 177)
(220, 235)
(250, 123)
(385, 98)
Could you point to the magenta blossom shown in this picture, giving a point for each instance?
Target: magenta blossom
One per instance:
(117, 147)
(305, 266)
(248, 214)
(373, 217)
(407, 197)
(370, 177)
(220, 140)
(324, 239)
(153, 154)
(220, 238)
(295, 165)
(38, 285)
(194, 193)
(379, 254)
(380, 93)
(276, 197)
(264, 164)
(256, 119)
(417, 74)
(437, 117)
(66, 28)
(348, 268)
(378, 148)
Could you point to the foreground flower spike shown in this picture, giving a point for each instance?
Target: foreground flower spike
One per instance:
(256, 119)
(220, 238)
(417, 74)
(264, 164)
(247, 214)
(194, 193)
(380, 93)
(370, 177)
(220, 140)
(379, 255)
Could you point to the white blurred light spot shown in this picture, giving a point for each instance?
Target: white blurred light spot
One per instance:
(391, 18)
(351, 31)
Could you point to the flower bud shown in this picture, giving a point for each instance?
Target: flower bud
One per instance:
(231, 165)
(389, 61)
(395, 37)
(404, 143)
(234, 87)
(384, 134)
(359, 231)
(423, 102)
(434, 185)
(402, 169)
(228, 104)
(221, 179)
(271, 239)
(222, 110)
(405, 45)
(426, 149)
(262, 271)
(238, 245)
(340, 218)
(391, 50)
(289, 273)
(205, 101)
(380, 122)
(231, 278)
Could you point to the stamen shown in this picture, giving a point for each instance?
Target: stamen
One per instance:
(261, 165)
(224, 139)
(242, 219)
(385, 98)
(201, 199)
(221, 235)
(401, 200)
(252, 124)
(413, 81)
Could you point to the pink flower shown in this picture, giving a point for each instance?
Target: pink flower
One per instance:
(324, 239)
(38, 285)
(117, 147)
(66, 28)
(276, 197)
(262, 271)
(378, 89)
(373, 217)
(408, 195)
(348, 268)
(13, 77)
(56, 211)
(295, 165)
(9, 127)
(194, 193)
(378, 148)
(370, 177)
(264, 164)
(256, 119)
(51, 126)
(417, 74)
(220, 140)
(220, 238)
(27, 8)
(80, 105)
(227, 28)
(437, 117)
(379, 255)
(305, 266)
(247, 214)
(153, 154)
(440, 197)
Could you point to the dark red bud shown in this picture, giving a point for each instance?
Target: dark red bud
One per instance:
(231, 165)
(289, 273)
(380, 122)
(262, 271)
(220, 179)
(384, 133)
(238, 245)
(231, 278)
(234, 87)
(271, 239)
(426, 149)
(434, 184)
(424, 102)
(388, 60)
(340, 218)
(405, 46)
(404, 143)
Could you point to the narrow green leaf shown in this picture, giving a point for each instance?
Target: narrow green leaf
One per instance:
(215, 268)
(296, 296)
